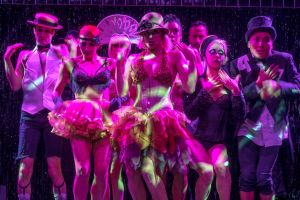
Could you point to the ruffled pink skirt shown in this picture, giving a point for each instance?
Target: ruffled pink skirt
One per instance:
(81, 118)
(161, 135)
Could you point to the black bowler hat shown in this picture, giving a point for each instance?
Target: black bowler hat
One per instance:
(260, 24)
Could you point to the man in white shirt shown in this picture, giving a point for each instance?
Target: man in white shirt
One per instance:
(36, 72)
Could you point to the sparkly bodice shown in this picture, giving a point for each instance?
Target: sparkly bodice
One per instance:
(163, 74)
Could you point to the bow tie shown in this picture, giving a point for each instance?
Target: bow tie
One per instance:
(44, 48)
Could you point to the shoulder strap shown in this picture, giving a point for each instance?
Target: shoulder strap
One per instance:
(105, 64)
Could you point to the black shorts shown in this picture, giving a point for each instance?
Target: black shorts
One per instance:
(33, 128)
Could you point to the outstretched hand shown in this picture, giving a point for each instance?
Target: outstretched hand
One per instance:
(121, 55)
(270, 74)
(188, 52)
(229, 83)
(120, 58)
(10, 50)
(71, 43)
(273, 71)
(211, 84)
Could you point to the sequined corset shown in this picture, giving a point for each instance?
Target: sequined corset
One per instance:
(80, 80)
(163, 74)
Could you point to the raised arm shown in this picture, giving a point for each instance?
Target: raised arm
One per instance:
(72, 46)
(186, 62)
(64, 77)
(14, 75)
(123, 75)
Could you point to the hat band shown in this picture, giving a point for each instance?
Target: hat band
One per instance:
(95, 39)
(43, 22)
(145, 24)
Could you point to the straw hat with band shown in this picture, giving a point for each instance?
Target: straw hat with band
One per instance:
(45, 20)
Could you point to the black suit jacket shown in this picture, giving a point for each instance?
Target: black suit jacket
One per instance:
(288, 79)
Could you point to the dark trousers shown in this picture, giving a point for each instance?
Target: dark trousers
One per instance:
(256, 165)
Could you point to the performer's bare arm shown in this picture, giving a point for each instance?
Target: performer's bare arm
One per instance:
(123, 76)
(186, 70)
(15, 75)
(63, 78)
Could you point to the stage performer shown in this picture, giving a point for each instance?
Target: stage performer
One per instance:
(36, 72)
(119, 37)
(151, 135)
(197, 32)
(85, 120)
(173, 24)
(216, 101)
(269, 79)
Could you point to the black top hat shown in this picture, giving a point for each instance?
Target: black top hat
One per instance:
(260, 23)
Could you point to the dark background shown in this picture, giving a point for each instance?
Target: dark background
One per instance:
(228, 23)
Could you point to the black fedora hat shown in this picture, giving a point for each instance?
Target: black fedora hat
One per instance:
(260, 24)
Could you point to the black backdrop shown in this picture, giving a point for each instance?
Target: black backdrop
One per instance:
(227, 23)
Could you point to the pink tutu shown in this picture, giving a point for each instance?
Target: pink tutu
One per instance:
(81, 118)
(162, 135)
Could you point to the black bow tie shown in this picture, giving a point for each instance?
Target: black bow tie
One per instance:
(44, 48)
